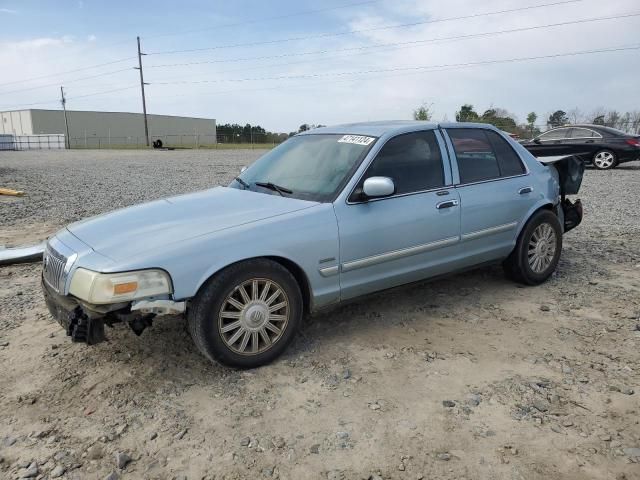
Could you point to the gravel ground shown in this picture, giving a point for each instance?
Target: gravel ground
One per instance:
(469, 377)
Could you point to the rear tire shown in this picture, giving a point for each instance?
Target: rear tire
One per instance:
(537, 251)
(605, 160)
(246, 315)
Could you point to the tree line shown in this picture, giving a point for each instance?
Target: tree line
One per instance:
(236, 133)
(626, 121)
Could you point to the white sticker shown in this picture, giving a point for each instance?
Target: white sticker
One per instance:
(357, 139)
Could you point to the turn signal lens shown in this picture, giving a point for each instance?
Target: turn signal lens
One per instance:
(122, 288)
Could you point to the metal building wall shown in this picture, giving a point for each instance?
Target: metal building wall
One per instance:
(118, 124)
(16, 123)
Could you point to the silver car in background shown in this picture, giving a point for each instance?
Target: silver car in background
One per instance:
(329, 215)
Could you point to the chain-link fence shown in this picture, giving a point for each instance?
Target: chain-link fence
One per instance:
(174, 141)
(32, 142)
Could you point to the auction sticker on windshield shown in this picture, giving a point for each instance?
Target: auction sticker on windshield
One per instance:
(357, 139)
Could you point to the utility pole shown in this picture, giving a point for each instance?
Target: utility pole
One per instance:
(67, 140)
(142, 84)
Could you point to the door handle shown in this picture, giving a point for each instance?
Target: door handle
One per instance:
(447, 204)
(524, 190)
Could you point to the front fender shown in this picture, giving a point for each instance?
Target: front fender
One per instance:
(306, 238)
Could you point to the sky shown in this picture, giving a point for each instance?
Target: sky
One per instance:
(281, 63)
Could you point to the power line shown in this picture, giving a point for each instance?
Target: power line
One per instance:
(66, 72)
(392, 46)
(399, 69)
(262, 20)
(350, 32)
(68, 81)
(103, 92)
(306, 12)
(46, 102)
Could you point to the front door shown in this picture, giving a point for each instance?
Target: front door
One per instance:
(410, 235)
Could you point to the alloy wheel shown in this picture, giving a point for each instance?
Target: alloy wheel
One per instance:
(604, 160)
(254, 316)
(542, 248)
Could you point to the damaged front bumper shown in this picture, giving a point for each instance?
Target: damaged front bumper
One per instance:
(80, 324)
(85, 323)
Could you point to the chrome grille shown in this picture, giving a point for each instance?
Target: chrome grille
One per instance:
(53, 264)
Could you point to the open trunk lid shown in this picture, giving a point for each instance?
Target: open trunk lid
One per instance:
(570, 170)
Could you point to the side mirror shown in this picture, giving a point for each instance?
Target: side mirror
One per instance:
(375, 187)
(536, 140)
(243, 169)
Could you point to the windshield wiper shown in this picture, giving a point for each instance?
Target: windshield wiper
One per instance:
(273, 186)
(243, 183)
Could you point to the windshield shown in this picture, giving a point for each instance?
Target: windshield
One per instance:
(309, 167)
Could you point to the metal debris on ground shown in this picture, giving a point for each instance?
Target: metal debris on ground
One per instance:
(11, 193)
(31, 253)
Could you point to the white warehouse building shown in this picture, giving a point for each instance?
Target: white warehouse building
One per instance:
(98, 129)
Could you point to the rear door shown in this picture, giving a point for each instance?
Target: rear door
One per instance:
(407, 236)
(495, 192)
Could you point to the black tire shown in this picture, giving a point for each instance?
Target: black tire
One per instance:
(205, 324)
(604, 160)
(517, 266)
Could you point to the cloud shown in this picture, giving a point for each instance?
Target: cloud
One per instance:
(540, 85)
(92, 38)
(8, 10)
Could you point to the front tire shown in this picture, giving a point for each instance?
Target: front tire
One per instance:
(537, 251)
(605, 160)
(246, 315)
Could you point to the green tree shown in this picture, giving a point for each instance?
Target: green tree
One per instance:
(467, 114)
(423, 112)
(558, 118)
(500, 118)
(531, 122)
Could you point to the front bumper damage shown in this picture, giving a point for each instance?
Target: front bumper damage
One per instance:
(80, 325)
(85, 323)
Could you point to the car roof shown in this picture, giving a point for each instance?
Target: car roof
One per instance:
(608, 131)
(390, 127)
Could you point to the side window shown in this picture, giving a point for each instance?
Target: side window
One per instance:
(483, 155)
(412, 161)
(557, 134)
(581, 133)
(476, 158)
(508, 160)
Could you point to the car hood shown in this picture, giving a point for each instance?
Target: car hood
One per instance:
(124, 233)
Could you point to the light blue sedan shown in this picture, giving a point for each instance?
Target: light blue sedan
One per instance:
(329, 215)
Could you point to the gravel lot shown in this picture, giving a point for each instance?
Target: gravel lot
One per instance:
(470, 377)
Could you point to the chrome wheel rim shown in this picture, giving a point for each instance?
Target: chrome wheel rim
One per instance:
(603, 159)
(254, 316)
(542, 248)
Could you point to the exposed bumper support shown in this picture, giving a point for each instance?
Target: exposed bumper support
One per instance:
(159, 307)
(83, 324)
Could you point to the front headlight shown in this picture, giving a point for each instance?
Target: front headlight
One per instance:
(104, 288)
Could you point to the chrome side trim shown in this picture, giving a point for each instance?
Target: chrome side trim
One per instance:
(329, 271)
(489, 231)
(397, 254)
